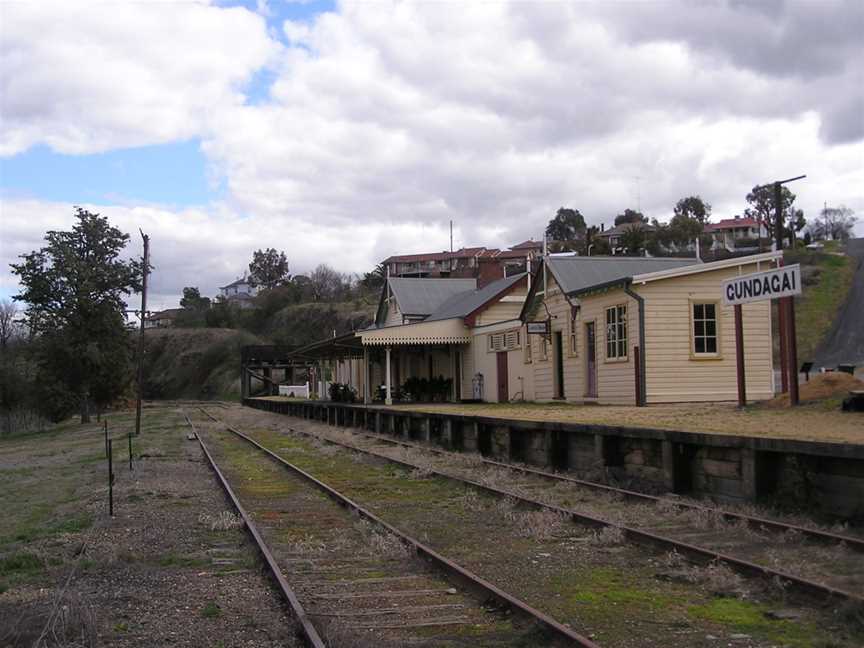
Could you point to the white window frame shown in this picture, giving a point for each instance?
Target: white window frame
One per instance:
(705, 355)
(616, 334)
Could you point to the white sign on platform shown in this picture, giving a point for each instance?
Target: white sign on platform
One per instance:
(782, 282)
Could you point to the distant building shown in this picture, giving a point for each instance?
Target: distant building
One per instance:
(240, 293)
(162, 319)
(434, 264)
(464, 263)
(736, 233)
(615, 235)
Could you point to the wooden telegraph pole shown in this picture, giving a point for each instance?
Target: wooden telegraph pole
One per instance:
(739, 356)
(786, 310)
(141, 333)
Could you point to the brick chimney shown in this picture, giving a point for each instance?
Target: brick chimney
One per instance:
(489, 270)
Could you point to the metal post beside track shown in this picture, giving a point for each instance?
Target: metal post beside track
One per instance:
(110, 479)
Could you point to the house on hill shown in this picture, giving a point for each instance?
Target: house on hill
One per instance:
(433, 264)
(464, 263)
(615, 235)
(633, 330)
(736, 233)
(240, 292)
(162, 319)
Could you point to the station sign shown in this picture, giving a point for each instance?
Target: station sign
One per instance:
(538, 328)
(780, 282)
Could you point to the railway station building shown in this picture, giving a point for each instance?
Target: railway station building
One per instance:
(634, 330)
(618, 330)
(440, 338)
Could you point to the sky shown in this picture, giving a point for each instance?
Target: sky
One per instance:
(344, 132)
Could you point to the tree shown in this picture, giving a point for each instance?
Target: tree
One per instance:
(630, 216)
(683, 229)
(693, 207)
(835, 223)
(634, 239)
(193, 300)
(8, 326)
(74, 290)
(268, 268)
(567, 225)
(372, 281)
(763, 208)
(325, 283)
(796, 223)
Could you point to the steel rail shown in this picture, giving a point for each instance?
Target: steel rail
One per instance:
(753, 521)
(310, 632)
(695, 552)
(557, 630)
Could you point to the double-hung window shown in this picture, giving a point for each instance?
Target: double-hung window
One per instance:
(616, 332)
(705, 340)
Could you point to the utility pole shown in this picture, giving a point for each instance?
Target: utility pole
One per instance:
(825, 214)
(143, 316)
(786, 309)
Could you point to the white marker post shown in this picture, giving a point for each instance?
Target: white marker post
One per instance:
(759, 286)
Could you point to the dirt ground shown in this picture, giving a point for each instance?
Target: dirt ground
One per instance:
(171, 568)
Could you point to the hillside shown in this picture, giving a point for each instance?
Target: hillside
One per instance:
(194, 363)
(300, 324)
(203, 363)
(827, 277)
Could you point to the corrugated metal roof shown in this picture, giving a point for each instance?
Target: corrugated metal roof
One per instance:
(424, 296)
(578, 273)
(465, 303)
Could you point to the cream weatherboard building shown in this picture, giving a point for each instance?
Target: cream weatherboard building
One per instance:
(631, 330)
(621, 330)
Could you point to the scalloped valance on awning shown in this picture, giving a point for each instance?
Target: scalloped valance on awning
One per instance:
(450, 331)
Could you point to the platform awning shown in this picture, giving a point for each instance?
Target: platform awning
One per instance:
(344, 346)
(450, 331)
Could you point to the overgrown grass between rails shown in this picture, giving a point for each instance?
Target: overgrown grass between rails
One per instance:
(26, 563)
(750, 618)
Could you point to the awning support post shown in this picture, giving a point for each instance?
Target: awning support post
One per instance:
(389, 396)
(365, 375)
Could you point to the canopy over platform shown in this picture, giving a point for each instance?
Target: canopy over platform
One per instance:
(342, 346)
(450, 331)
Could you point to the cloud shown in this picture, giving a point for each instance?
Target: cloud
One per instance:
(498, 114)
(816, 45)
(86, 78)
(210, 247)
(384, 122)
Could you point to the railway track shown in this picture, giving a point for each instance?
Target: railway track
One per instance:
(348, 574)
(755, 522)
(815, 563)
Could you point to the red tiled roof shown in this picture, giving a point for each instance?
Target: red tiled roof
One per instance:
(732, 223)
(514, 254)
(436, 256)
(528, 245)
